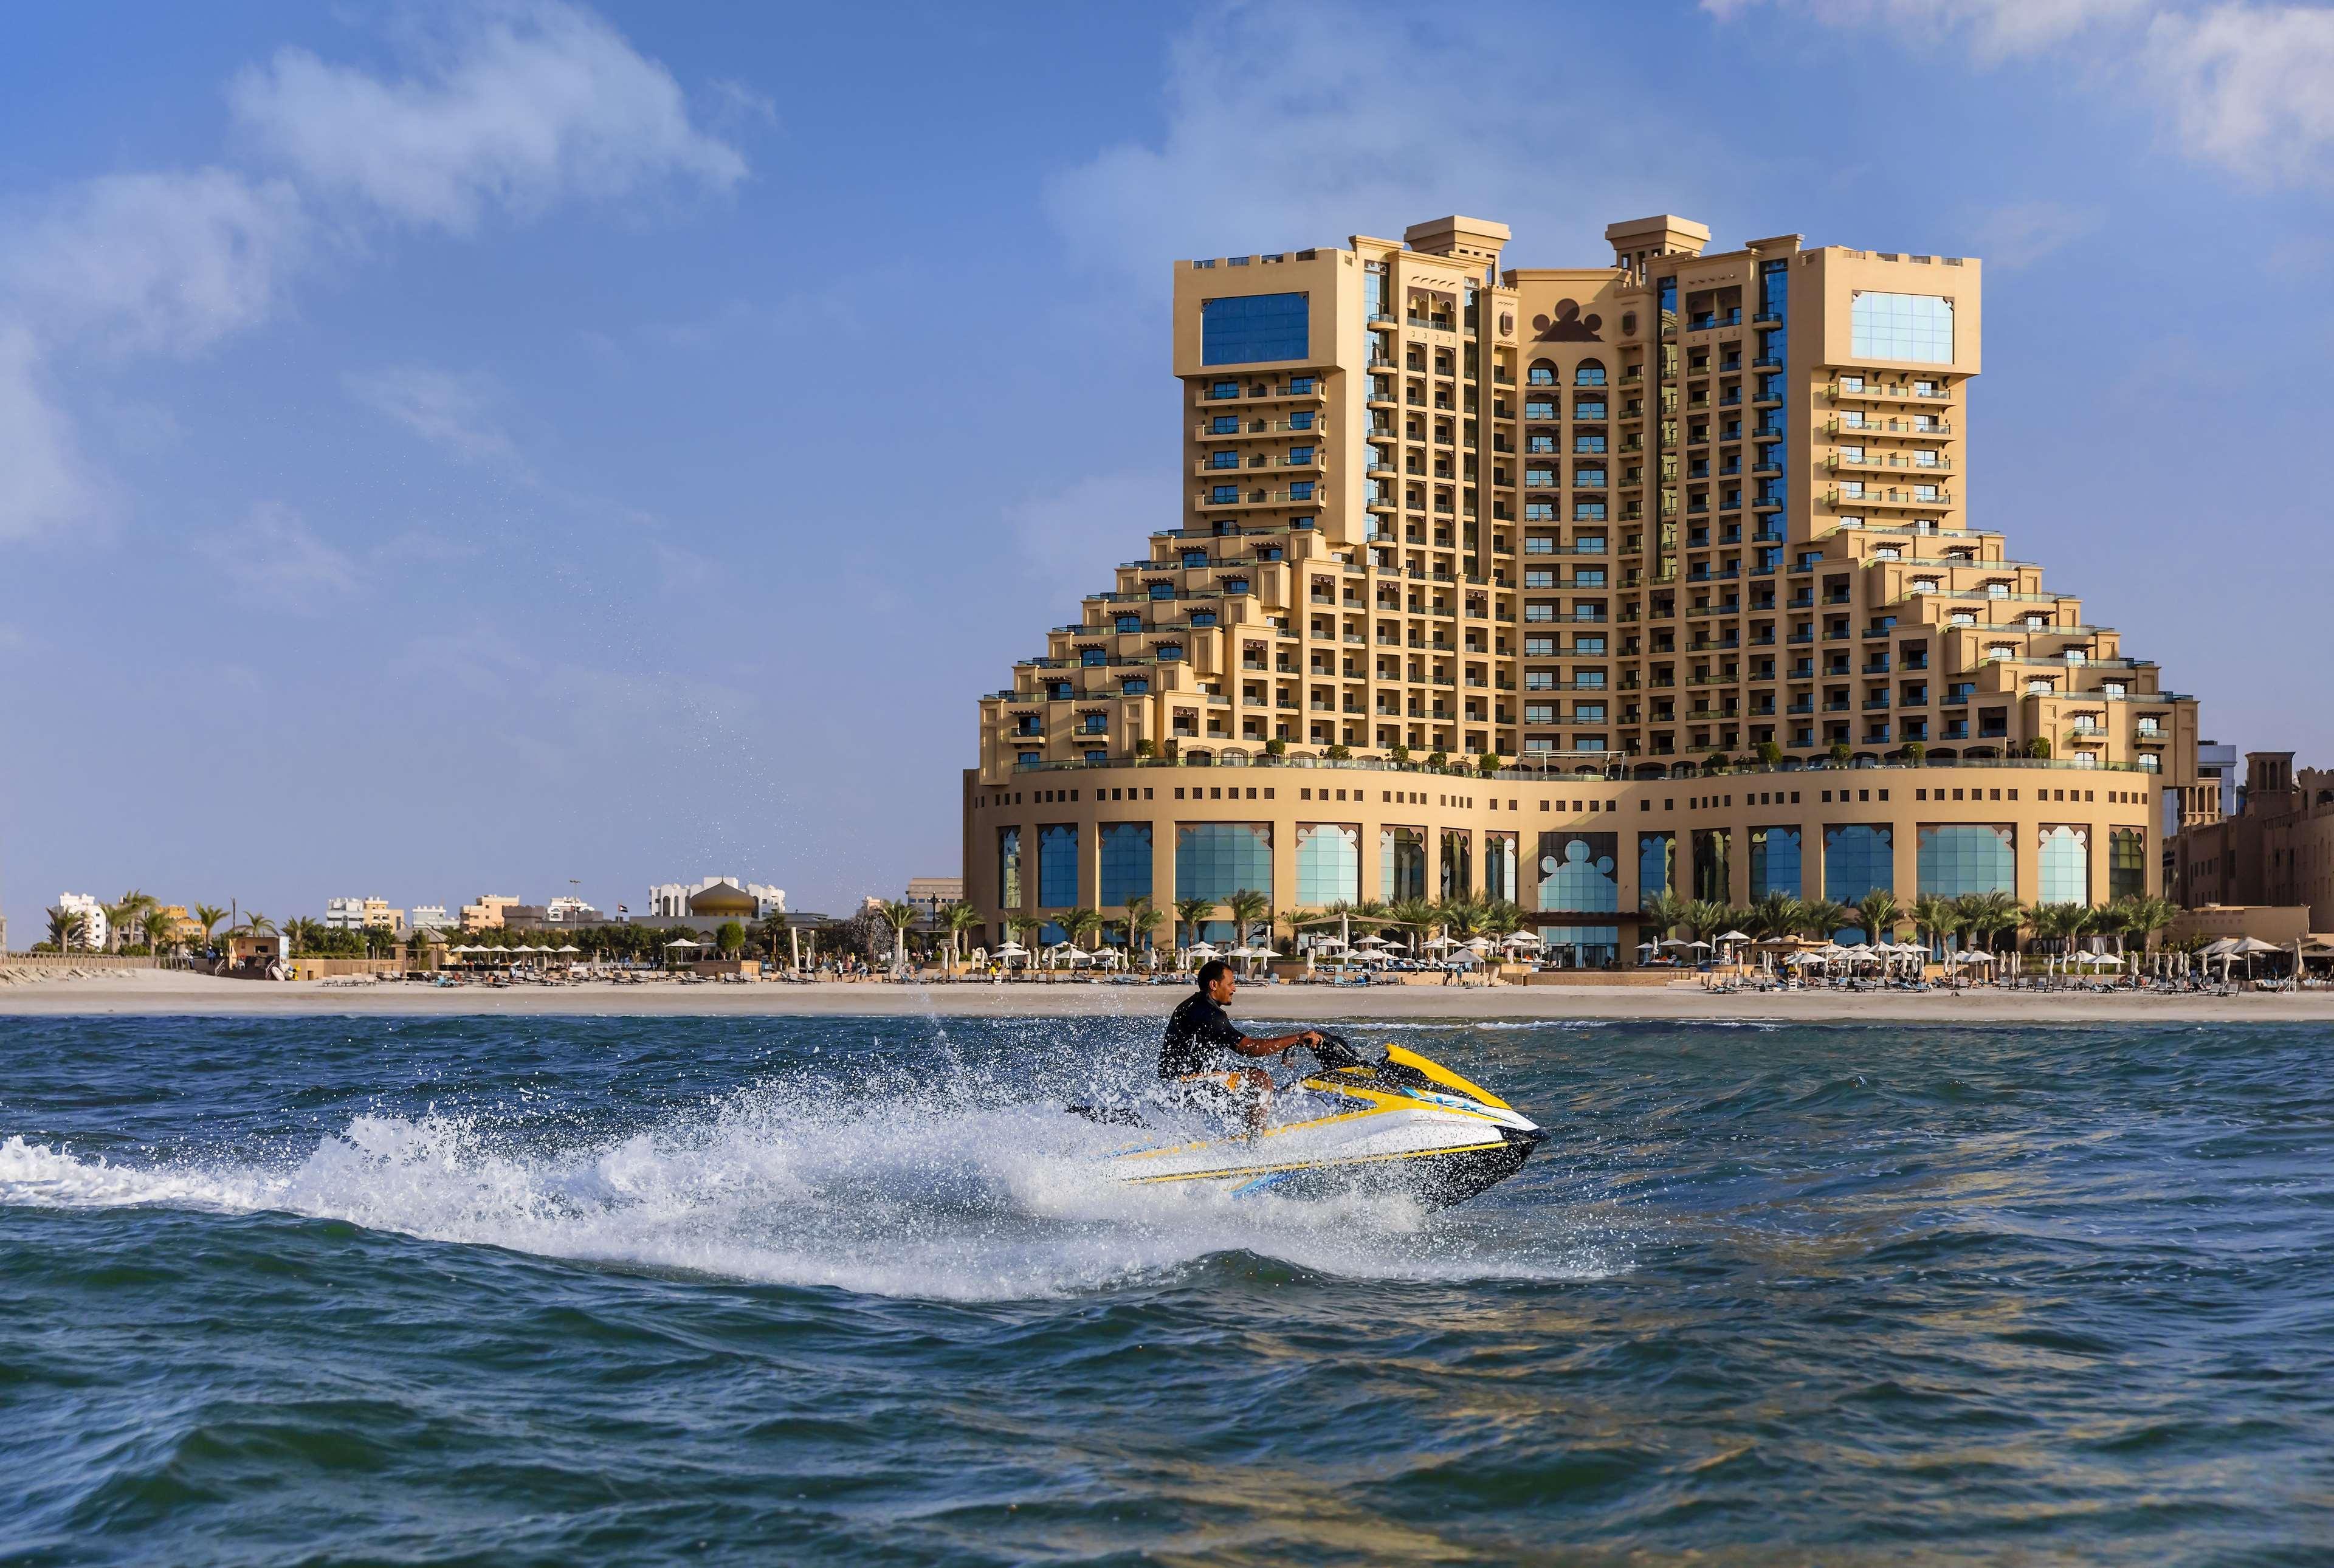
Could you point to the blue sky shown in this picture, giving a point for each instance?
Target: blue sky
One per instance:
(451, 449)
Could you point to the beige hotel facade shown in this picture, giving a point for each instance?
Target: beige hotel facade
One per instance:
(1598, 524)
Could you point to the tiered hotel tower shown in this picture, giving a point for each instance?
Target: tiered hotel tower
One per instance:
(1597, 523)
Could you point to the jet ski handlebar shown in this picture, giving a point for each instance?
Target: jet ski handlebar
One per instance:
(1331, 1052)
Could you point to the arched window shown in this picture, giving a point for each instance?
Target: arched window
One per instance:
(1588, 373)
(1541, 374)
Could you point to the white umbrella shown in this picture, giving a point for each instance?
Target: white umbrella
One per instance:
(1201, 950)
(1678, 942)
(1080, 956)
(1371, 940)
(1524, 939)
(676, 942)
(1330, 944)
(1802, 960)
(1011, 950)
(1439, 941)
(1735, 935)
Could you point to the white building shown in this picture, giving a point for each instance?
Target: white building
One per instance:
(344, 914)
(570, 912)
(427, 917)
(94, 930)
(670, 901)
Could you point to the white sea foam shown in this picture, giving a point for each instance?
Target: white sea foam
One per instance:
(919, 1200)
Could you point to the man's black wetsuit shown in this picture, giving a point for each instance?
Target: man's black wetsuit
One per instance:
(1196, 1028)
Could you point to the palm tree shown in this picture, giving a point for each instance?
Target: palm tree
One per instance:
(1462, 918)
(257, 924)
(1191, 913)
(1775, 916)
(1502, 918)
(1024, 926)
(1414, 915)
(1080, 924)
(1936, 918)
(1664, 913)
(1248, 907)
(1823, 918)
(1880, 915)
(1143, 918)
(66, 926)
(899, 914)
(303, 936)
(2150, 915)
(127, 914)
(1704, 918)
(959, 920)
(211, 915)
(1989, 913)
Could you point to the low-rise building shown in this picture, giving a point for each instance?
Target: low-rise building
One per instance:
(485, 913)
(426, 918)
(344, 914)
(572, 911)
(173, 926)
(95, 931)
(672, 901)
(2277, 849)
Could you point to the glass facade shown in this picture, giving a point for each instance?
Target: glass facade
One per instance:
(1581, 946)
(1009, 867)
(1774, 861)
(1458, 863)
(1858, 858)
(1251, 328)
(1126, 862)
(1577, 872)
(1711, 849)
(1656, 865)
(1328, 864)
(1217, 859)
(1500, 866)
(1402, 863)
(2127, 862)
(2062, 865)
(1057, 866)
(1914, 327)
(1959, 858)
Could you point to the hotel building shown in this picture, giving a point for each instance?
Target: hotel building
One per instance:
(1593, 527)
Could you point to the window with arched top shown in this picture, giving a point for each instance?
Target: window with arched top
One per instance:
(1588, 373)
(1541, 374)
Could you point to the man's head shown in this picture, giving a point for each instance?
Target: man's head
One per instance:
(1215, 978)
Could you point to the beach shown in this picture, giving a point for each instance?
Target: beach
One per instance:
(173, 993)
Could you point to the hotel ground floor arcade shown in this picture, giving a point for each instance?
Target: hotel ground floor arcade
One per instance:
(1581, 852)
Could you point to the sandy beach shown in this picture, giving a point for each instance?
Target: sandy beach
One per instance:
(157, 994)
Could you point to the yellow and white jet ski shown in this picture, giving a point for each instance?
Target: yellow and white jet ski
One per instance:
(1402, 1123)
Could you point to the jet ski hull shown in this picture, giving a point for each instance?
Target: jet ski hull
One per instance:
(1442, 1163)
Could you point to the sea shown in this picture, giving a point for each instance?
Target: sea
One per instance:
(605, 1289)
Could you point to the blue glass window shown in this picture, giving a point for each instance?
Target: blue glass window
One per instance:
(1858, 858)
(1774, 861)
(1090, 657)
(1008, 860)
(1163, 591)
(1300, 454)
(1402, 863)
(1712, 847)
(1458, 863)
(2127, 862)
(1300, 385)
(1301, 420)
(1539, 409)
(1126, 862)
(1588, 645)
(1129, 623)
(1225, 390)
(2063, 866)
(1217, 859)
(1957, 858)
(1223, 459)
(1134, 685)
(1591, 374)
(1581, 946)
(1581, 443)
(1577, 871)
(1222, 494)
(1588, 478)
(1302, 490)
(1194, 558)
(1095, 723)
(1248, 329)
(1057, 866)
(1168, 652)
(1588, 410)
(1328, 864)
(1588, 511)
(1588, 713)
(1668, 287)
(1203, 617)
(1225, 425)
(1500, 866)
(1914, 327)
(1655, 864)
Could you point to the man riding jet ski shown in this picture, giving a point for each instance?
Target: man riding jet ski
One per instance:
(1400, 1123)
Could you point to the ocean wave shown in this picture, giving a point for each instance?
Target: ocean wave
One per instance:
(931, 1200)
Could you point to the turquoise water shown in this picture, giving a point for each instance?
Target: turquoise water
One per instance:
(575, 1291)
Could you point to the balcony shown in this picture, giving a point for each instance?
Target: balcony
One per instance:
(1878, 495)
(1873, 392)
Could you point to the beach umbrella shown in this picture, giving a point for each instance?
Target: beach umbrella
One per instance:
(1524, 939)
(1438, 941)
(1201, 950)
(1371, 940)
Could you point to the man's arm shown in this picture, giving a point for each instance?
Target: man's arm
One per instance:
(1273, 1045)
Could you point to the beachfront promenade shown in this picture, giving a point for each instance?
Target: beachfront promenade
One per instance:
(164, 993)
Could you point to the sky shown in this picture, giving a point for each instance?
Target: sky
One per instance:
(450, 449)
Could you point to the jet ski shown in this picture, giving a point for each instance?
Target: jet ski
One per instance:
(1400, 1123)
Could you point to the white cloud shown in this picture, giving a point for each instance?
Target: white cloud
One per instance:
(2024, 233)
(44, 483)
(278, 562)
(445, 410)
(167, 263)
(2246, 85)
(1279, 136)
(2252, 87)
(738, 102)
(527, 107)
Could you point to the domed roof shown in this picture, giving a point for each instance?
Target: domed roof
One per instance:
(722, 899)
